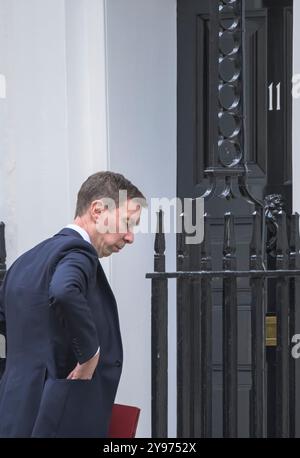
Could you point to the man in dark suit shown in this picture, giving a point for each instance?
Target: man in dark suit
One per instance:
(63, 343)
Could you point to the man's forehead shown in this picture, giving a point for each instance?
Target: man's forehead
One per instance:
(130, 208)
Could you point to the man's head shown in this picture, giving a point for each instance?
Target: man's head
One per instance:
(108, 207)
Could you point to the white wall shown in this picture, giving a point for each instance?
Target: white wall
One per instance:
(296, 112)
(34, 163)
(59, 57)
(53, 131)
(296, 152)
(141, 57)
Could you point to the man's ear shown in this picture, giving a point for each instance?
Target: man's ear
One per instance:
(96, 208)
(101, 206)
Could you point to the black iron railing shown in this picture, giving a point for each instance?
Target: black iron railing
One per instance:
(195, 405)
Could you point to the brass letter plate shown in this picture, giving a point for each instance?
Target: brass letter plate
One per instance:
(271, 331)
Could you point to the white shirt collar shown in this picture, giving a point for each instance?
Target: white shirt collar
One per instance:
(80, 231)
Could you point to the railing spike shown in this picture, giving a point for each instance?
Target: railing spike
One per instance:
(159, 244)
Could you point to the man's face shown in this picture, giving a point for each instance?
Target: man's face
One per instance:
(115, 228)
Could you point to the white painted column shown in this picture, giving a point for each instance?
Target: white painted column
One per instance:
(86, 90)
(86, 94)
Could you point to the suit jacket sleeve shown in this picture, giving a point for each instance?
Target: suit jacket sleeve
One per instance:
(2, 327)
(68, 292)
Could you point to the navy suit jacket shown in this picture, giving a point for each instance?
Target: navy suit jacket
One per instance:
(56, 309)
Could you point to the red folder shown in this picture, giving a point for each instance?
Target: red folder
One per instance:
(124, 420)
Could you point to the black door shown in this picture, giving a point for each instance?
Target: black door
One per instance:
(268, 86)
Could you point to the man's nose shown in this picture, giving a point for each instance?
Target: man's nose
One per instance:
(129, 237)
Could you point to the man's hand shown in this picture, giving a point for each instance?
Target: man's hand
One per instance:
(86, 370)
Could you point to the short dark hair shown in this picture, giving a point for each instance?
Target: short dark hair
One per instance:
(105, 185)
